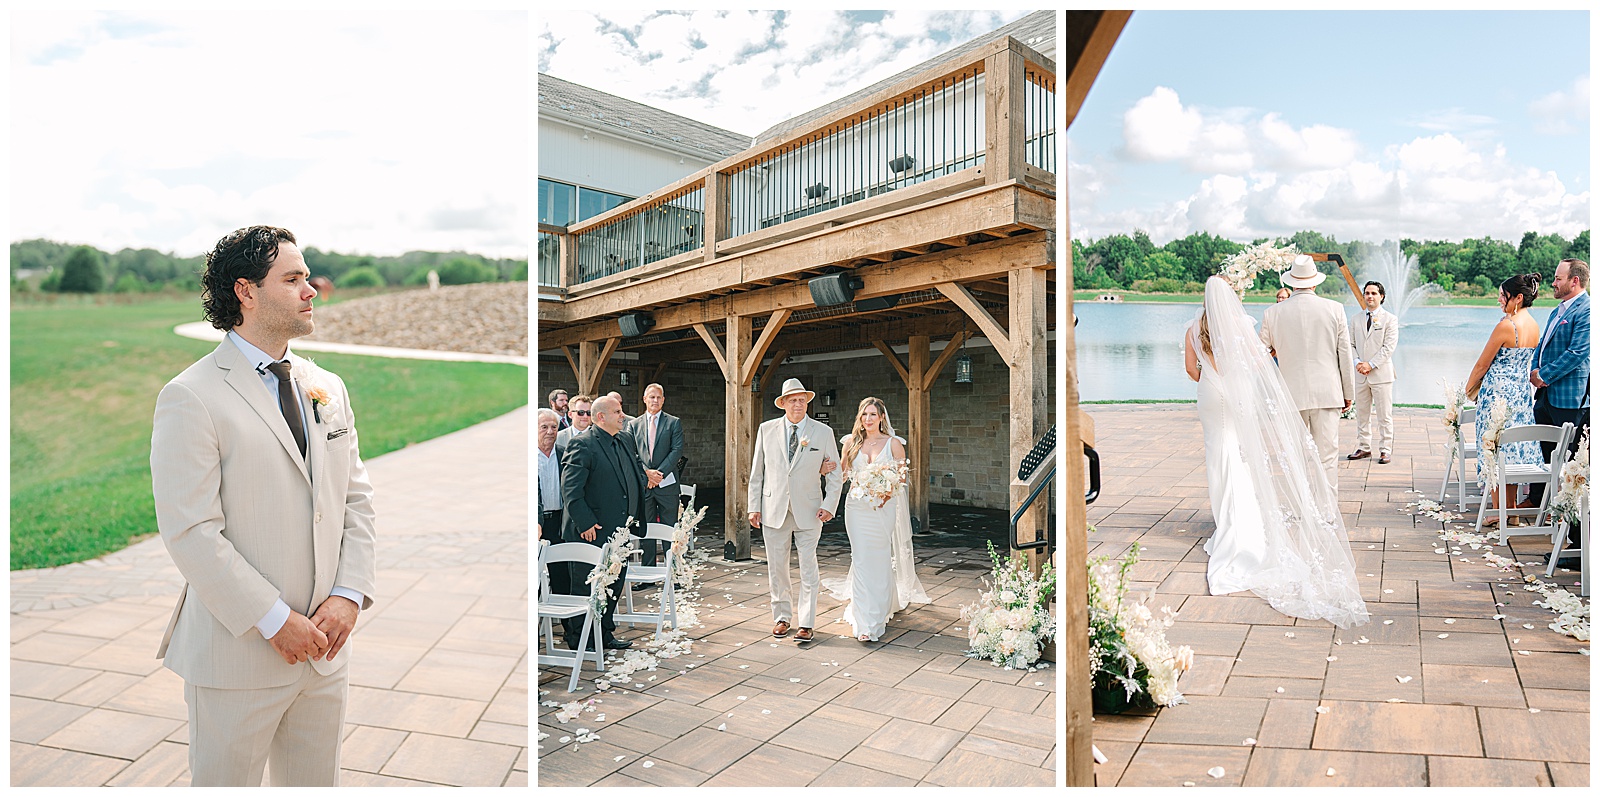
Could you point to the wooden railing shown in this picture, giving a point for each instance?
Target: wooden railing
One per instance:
(986, 120)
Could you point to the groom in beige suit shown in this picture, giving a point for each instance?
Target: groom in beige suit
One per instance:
(787, 502)
(1308, 336)
(265, 507)
(1375, 334)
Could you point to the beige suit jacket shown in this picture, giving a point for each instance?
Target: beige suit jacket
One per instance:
(248, 521)
(1313, 348)
(779, 485)
(1375, 347)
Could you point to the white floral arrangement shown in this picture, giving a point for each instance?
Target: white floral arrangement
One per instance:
(1498, 413)
(317, 383)
(877, 481)
(683, 571)
(1241, 268)
(613, 557)
(1130, 662)
(1574, 483)
(1011, 622)
(1455, 398)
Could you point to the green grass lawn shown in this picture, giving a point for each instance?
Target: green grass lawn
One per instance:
(84, 380)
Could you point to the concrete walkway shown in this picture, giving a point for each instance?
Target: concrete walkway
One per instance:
(438, 674)
(754, 711)
(1435, 691)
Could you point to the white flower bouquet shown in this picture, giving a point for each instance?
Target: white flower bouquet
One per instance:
(1455, 397)
(1011, 622)
(1130, 662)
(613, 557)
(1240, 269)
(682, 570)
(1498, 412)
(1574, 483)
(878, 481)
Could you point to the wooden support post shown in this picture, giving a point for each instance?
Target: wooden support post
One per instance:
(592, 358)
(1003, 117)
(715, 224)
(1030, 391)
(741, 440)
(568, 262)
(1072, 580)
(918, 422)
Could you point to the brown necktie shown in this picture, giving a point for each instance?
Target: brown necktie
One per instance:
(289, 404)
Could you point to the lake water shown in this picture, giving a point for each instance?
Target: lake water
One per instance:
(1135, 351)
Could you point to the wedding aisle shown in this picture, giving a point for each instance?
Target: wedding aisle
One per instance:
(754, 711)
(1435, 691)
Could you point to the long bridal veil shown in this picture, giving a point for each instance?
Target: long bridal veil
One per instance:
(1307, 568)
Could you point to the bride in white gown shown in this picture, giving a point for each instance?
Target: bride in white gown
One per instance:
(883, 576)
(1279, 533)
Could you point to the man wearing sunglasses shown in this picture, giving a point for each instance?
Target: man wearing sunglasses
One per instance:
(582, 415)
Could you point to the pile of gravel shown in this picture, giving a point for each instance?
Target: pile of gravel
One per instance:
(486, 318)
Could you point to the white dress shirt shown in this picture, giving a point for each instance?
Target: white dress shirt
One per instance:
(549, 482)
(279, 613)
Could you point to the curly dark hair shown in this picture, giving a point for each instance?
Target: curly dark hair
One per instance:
(244, 253)
(1524, 285)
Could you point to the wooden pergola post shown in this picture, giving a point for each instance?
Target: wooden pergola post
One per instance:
(741, 438)
(918, 422)
(590, 366)
(1030, 387)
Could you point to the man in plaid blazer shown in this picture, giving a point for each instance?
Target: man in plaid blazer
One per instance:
(1560, 373)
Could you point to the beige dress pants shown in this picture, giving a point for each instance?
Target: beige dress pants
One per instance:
(778, 540)
(233, 732)
(1368, 395)
(1324, 427)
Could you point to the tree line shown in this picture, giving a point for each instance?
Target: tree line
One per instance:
(1473, 267)
(44, 265)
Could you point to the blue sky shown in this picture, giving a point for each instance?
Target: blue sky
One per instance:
(1445, 124)
(375, 134)
(746, 70)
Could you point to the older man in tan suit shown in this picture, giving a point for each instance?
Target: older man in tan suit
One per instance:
(1308, 336)
(264, 504)
(788, 503)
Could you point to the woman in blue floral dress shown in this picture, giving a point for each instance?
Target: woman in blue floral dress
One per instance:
(1502, 372)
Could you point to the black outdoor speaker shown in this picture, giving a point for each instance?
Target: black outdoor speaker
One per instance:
(834, 289)
(877, 303)
(635, 324)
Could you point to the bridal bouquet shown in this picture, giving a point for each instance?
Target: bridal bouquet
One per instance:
(1498, 412)
(879, 480)
(1129, 658)
(1011, 622)
(1574, 483)
(613, 557)
(1240, 269)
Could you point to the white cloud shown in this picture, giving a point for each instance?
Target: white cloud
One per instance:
(1261, 176)
(1562, 111)
(168, 130)
(746, 70)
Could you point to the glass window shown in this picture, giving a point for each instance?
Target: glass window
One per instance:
(555, 203)
(592, 203)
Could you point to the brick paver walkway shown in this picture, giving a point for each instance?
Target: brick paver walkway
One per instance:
(908, 710)
(438, 674)
(1433, 692)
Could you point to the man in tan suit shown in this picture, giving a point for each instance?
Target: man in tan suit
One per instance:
(1375, 334)
(264, 504)
(1308, 336)
(787, 502)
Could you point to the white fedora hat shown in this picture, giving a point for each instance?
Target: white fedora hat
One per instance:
(791, 387)
(1303, 274)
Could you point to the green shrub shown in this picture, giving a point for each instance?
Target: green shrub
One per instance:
(83, 272)
(361, 277)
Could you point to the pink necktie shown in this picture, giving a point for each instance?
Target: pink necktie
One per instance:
(650, 447)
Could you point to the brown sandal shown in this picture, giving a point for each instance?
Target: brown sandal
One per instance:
(780, 630)
(803, 635)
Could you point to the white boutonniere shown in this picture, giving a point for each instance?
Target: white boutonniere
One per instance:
(805, 442)
(318, 385)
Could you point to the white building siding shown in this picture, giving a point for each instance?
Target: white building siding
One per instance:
(607, 161)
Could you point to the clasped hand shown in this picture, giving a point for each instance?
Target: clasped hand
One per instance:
(320, 636)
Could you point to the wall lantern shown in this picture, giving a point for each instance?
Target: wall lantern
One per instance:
(829, 398)
(624, 378)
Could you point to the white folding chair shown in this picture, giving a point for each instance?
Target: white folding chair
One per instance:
(1547, 473)
(561, 607)
(1558, 540)
(687, 491)
(1466, 451)
(639, 574)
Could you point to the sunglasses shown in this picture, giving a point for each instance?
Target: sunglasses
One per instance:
(580, 412)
